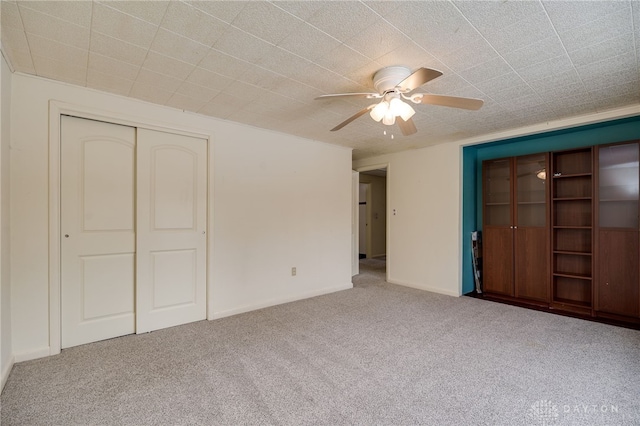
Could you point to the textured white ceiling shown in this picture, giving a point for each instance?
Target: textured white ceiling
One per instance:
(263, 62)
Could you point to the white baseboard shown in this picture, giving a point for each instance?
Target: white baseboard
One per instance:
(424, 287)
(28, 356)
(5, 372)
(278, 301)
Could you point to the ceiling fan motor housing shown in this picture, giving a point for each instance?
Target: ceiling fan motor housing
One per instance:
(388, 78)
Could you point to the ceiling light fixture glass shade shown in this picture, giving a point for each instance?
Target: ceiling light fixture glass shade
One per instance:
(378, 111)
(389, 119)
(541, 174)
(401, 109)
(387, 111)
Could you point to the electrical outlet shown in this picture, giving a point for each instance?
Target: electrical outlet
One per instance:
(293, 271)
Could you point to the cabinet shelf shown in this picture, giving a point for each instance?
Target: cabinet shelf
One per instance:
(619, 228)
(573, 253)
(575, 276)
(572, 175)
(496, 204)
(618, 200)
(570, 227)
(579, 303)
(571, 198)
(531, 203)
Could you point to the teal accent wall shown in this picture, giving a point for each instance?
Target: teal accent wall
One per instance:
(473, 156)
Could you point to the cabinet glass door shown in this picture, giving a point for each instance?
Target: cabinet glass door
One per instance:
(617, 287)
(531, 196)
(618, 186)
(497, 193)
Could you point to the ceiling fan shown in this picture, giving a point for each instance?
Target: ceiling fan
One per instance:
(393, 85)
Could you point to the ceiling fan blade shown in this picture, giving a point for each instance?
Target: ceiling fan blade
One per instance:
(353, 117)
(406, 127)
(418, 78)
(357, 95)
(450, 101)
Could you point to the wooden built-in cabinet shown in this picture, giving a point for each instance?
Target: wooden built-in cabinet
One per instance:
(561, 231)
(515, 227)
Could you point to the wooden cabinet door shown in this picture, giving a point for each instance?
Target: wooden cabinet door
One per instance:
(498, 260)
(531, 231)
(617, 290)
(497, 237)
(618, 281)
(531, 264)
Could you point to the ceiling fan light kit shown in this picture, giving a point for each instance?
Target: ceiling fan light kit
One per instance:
(393, 84)
(387, 111)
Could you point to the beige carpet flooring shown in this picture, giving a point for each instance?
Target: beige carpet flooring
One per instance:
(377, 354)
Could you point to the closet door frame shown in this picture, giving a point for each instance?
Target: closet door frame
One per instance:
(56, 110)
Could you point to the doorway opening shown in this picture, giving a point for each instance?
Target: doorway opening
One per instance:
(372, 218)
(364, 193)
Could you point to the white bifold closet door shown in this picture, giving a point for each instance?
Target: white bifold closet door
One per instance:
(133, 221)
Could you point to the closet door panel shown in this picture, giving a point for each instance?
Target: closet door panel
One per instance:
(171, 229)
(97, 223)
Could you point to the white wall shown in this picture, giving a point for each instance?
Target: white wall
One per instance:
(280, 202)
(301, 190)
(6, 352)
(423, 247)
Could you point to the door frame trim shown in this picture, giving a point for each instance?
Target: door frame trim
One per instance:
(56, 110)
(355, 222)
